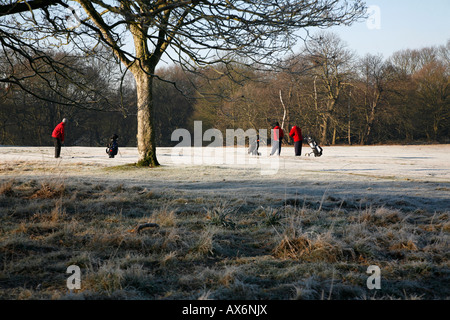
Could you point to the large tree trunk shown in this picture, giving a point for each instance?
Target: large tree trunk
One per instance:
(145, 135)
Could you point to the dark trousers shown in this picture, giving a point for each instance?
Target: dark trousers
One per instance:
(276, 147)
(57, 143)
(298, 148)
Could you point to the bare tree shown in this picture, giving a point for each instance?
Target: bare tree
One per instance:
(194, 33)
(374, 73)
(333, 68)
(433, 92)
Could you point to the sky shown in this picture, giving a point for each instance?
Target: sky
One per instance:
(398, 24)
(394, 25)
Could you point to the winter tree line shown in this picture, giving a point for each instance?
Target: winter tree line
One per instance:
(325, 88)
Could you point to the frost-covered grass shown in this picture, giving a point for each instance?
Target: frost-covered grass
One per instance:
(224, 231)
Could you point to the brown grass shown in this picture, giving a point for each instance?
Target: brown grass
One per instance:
(49, 190)
(6, 188)
(209, 248)
(303, 249)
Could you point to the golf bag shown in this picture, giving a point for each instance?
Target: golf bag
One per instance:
(113, 147)
(316, 149)
(254, 146)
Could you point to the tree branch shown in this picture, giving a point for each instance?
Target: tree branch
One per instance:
(22, 6)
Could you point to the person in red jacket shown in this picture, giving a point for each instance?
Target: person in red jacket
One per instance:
(296, 134)
(58, 137)
(277, 138)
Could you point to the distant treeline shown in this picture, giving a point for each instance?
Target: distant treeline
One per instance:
(326, 89)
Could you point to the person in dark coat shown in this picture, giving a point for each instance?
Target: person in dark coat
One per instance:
(254, 146)
(277, 137)
(58, 137)
(112, 147)
(296, 134)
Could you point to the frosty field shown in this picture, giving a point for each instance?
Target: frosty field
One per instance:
(230, 225)
(404, 177)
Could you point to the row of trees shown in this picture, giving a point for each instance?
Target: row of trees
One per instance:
(194, 34)
(107, 105)
(30, 109)
(338, 97)
(326, 89)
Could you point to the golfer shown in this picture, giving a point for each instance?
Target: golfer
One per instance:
(58, 137)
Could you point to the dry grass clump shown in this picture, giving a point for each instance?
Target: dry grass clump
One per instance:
(164, 216)
(6, 188)
(220, 216)
(407, 245)
(49, 190)
(203, 244)
(380, 217)
(320, 249)
(293, 248)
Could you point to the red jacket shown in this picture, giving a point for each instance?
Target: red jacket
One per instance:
(58, 132)
(296, 133)
(277, 130)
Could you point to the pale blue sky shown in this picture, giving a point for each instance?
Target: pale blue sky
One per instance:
(404, 24)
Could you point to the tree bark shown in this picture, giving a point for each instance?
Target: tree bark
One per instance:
(143, 71)
(371, 118)
(324, 129)
(146, 133)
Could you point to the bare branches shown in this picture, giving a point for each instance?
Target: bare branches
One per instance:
(201, 33)
(193, 33)
(23, 6)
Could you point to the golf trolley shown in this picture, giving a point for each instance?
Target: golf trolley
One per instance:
(316, 149)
